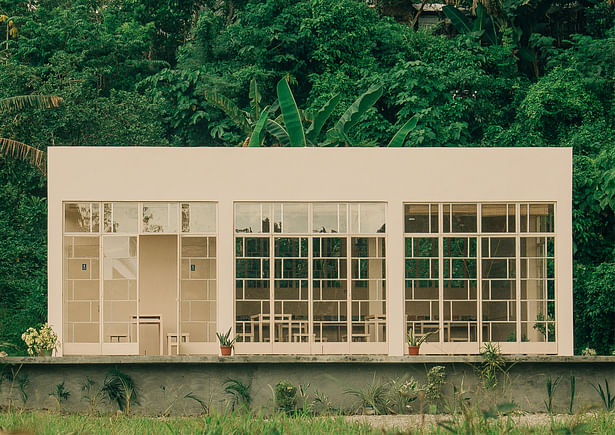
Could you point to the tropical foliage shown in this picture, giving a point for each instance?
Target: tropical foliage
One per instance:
(317, 72)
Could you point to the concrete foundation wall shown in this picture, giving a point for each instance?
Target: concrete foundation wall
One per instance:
(163, 382)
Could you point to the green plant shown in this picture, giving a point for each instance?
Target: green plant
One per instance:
(239, 392)
(322, 404)
(302, 393)
(60, 395)
(121, 389)
(195, 398)
(224, 338)
(493, 363)
(16, 381)
(285, 396)
(588, 351)
(414, 341)
(402, 393)
(19, 150)
(91, 393)
(551, 385)
(605, 395)
(40, 341)
(572, 391)
(436, 377)
(373, 398)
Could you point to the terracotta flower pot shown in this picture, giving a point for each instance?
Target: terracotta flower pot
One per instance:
(413, 350)
(226, 350)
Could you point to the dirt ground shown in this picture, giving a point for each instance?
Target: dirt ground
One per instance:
(407, 422)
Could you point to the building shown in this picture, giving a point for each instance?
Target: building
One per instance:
(310, 250)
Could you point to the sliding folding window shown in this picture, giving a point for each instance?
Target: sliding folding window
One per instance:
(475, 272)
(292, 267)
(139, 277)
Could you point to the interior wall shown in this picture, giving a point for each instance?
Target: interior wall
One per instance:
(157, 288)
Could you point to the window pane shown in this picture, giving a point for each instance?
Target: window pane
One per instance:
(542, 218)
(464, 218)
(295, 218)
(120, 217)
(248, 218)
(160, 217)
(371, 218)
(81, 217)
(326, 218)
(493, 218)
(416, 218)
(199, 217)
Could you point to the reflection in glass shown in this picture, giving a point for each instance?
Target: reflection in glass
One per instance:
(120, 217)
(160, 217)
(81, 217)
(198, 217)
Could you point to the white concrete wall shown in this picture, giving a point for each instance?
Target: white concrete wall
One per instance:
(396, 176)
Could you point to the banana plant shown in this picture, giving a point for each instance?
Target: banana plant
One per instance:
(400, 137)
(484, 26)
(247, 121)
(338, 134)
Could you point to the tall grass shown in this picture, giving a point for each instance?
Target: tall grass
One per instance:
(242, 423)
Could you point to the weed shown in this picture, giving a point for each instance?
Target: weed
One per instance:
(435, 379)
(120, 388)
(572, 391)
(92, 394)
(605, 395)
(493, 363)
(373, 398)
(192, 396)
(551, 385)
(285, 396)
(239, 392)
(60, 395)
(16, 381)
(402, 393)
(321, 404)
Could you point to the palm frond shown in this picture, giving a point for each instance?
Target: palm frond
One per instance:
(26, 153)
(35, 101)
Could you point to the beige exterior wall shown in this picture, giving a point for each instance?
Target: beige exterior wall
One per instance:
(395, 176)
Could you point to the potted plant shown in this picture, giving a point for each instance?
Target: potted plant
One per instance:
(41, 342)
(414, 342)
(226, 343)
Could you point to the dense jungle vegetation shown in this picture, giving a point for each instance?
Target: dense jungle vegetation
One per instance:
(520, 73)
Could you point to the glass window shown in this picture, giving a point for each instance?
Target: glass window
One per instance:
(120, 217)
(295, 218)
(160, 217)
(81, 217)
(198, 217)
(421, 218)
(515, 274)
(459, 218)
(329, 218)
(498, 218)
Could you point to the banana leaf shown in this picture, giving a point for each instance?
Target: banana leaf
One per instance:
(321, 117)
(258, 134)
(230, 109)
(400, 136)
(353, 114)
(277, 131)
(255, 98)
(485, 22)
(290, 114)
(458, 19)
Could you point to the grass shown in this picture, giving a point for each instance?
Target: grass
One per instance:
(236, 423)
